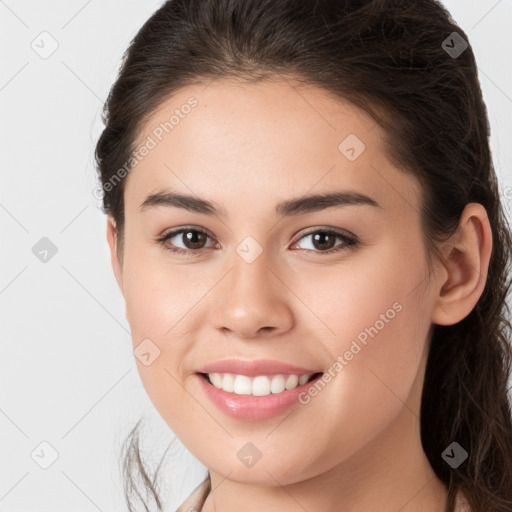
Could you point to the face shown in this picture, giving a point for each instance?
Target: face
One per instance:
(254, 284)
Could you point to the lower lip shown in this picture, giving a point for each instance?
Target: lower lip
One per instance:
(248, 407)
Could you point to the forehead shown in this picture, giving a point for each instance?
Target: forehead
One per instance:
(232, 141)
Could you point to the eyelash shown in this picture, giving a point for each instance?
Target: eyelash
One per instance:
(347, 241)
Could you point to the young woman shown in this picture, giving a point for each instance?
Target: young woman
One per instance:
(306, 227)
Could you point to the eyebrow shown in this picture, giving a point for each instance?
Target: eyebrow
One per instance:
(290, 207)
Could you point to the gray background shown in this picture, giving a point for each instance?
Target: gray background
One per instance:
(67, 372)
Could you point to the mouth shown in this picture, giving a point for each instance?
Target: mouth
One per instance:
(261, 385)
(256, 398)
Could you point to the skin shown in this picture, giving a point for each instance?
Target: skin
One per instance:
(356, 445)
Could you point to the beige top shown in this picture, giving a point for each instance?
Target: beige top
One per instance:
(195, 502)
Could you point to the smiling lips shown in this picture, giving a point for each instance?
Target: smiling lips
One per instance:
(254, 390)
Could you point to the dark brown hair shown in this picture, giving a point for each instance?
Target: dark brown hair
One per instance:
(398, 61)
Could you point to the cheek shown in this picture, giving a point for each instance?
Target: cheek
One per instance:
(386, 317)
(377, 297)
(157, 293)
(378, 322)
(158, 309)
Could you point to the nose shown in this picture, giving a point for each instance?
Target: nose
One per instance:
(252, 300)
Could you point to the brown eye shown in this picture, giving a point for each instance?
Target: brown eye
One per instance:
(193, 240)
(324, 241)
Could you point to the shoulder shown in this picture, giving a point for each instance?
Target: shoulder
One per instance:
(194, 503)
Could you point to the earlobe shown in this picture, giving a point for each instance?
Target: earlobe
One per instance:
(466, 263)
(112, 243)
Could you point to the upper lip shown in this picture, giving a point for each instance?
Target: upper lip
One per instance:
(255, 368)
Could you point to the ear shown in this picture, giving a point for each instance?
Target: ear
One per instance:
(112, 243)
(464, 269)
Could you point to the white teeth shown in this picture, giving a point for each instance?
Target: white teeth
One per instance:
(277, 384)
(261, 385)
(227, 383)
(303, 379)
(292, 382)
(242, 385)
(216, 379)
